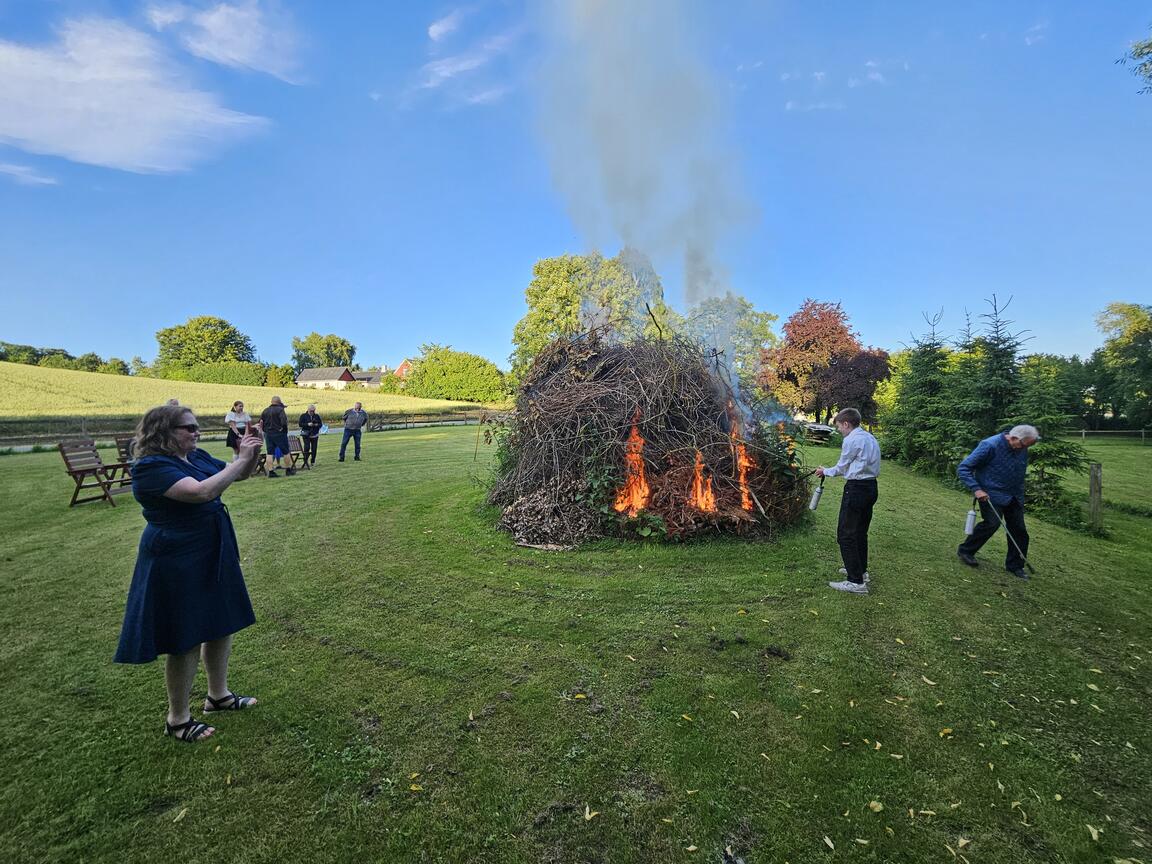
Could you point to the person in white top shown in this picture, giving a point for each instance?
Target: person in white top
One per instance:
(237, 421)
(859, 465)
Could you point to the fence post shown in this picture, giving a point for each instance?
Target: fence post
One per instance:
(1096, 496)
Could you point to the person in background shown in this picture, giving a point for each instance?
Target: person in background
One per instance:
(274, 421)
(237, 421)
(173, 401)
(995, 471)
(310, 424)
(187, 597)
(859, 465)
(355, 419)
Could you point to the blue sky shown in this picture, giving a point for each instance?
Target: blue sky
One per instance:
(390, 171)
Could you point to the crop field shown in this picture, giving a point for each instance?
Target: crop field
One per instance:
(32, 398)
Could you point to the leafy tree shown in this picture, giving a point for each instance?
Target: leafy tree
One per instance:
(113, 366)
(315, 351)
(441, 373)
(1127, 353)
(57, 360)
(732, 325)
(240, 374)
(90, 362)
(203, 339)
(795, 372)
(139, 367)
(575, 293)
(20, 353)
(390, 382)
(282, 375)
(1141, 55)
(850, 380)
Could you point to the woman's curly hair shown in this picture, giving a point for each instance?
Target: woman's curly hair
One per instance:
(156, 434)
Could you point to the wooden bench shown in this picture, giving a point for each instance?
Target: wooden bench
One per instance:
(295, 457)
(83, 463)
(124, 445)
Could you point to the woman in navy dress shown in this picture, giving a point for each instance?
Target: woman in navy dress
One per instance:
(188, 595)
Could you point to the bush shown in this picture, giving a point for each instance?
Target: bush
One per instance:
(279, 376)
(442, 373)
(227, 372)
(390, 382)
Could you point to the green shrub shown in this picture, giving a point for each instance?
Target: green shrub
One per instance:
(442, 373)
(228, 372)
(390, 382)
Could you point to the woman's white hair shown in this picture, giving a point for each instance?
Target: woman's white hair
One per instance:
(1024, 432)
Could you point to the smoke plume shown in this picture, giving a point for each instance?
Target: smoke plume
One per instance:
(634, 126)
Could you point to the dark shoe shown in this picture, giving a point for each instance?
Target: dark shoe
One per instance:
(357, 458)
(341, 459)
(967, 559)
(291, 472)
(272, 474)
(1019, 573)
(189, 732)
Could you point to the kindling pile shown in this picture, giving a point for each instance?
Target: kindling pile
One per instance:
(646, 438)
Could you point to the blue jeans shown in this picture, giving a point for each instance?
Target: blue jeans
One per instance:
(354, 434)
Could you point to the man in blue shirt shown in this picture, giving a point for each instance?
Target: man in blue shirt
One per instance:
(995, 471)
(859, 465)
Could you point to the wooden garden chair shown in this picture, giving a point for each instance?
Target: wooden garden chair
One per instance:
(83, 463)
(124, 445)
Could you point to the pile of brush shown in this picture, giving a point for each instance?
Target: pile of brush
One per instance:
(644, 438)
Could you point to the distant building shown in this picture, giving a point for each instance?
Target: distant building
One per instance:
(332, 377)
(404, 369)
(370, 377)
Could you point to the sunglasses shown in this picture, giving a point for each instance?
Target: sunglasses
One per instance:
(189, 427)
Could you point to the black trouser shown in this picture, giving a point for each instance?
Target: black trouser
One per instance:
(852, 529)
(354, 434)
(309, 448)
(1013, 513)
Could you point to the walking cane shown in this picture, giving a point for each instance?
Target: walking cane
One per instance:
(1012, 539)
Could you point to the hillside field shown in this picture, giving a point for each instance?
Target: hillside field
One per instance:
(429, 692)
(33, 398)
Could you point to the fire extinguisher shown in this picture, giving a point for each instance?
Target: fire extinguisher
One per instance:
(816, 493)
(970, 520)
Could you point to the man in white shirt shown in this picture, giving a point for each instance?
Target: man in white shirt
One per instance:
(859, 465)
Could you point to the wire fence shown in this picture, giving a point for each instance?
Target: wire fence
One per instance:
(1126, 435)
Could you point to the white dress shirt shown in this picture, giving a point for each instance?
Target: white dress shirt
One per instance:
(859, 457)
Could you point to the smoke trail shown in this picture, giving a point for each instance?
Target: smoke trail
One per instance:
(633, 123)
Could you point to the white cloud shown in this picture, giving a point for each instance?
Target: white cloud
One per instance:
(438, 72)
(1036, 33)
(443, 27)
(876, 77)
(246, 34)
(488, 96)
(818, 77)
(813, 106)
(105, 94)
(26, 176)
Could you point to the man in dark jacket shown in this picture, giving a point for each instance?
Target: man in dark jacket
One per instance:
(995, 471)
(310, 424)
(274, 419)
(355, 419)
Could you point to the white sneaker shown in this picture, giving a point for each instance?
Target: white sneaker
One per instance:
(850, 587)
(867, 578)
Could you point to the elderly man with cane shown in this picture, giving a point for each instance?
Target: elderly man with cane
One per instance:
(995, 471)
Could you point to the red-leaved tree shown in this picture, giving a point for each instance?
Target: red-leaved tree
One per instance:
(820, 365)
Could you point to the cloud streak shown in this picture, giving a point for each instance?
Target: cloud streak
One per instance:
(105, 94)
(25, 176)
(242, 35)
(443, 27)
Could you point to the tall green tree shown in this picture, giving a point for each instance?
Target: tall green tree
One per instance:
(576, 293)
(315, 350)
(1141, 54)
(1127, 352)
(731, 324)
(203, 339)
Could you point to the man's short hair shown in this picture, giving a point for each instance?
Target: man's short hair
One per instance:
(1024, 432)
(847, 415)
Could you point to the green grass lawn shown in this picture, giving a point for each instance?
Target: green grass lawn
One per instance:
(430, 692)
(1127, 471)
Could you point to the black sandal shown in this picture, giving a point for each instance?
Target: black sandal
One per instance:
(231, 702)
(189, 732)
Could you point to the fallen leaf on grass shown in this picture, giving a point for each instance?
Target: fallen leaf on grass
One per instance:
(691, 848)
(589, 813)
(691, 791)
(1094, 688)
(829, 843)
(1097, 671)
(180, 815)
(896, 755)
(861, 842)
(814, 612)
(735, 714)
(579, 696)
(962, 842)
(630, 657)
(926, 681)
(899, 641)
(686, 717)
(947, 730)
(1095, 832)
(765, 755)
(415, 787)
(667, 821)
(471, 717)
(742, 612)
(875, 806)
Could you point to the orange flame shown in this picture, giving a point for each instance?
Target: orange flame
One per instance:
(702, 497)
(743, 463)
(633, 496)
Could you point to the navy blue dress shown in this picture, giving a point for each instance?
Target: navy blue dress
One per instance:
(187, 587)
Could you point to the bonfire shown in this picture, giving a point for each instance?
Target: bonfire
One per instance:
(646, 438)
